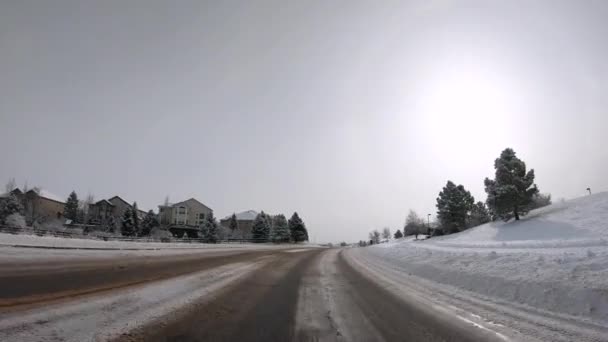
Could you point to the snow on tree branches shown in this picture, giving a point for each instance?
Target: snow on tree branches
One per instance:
(512, 190)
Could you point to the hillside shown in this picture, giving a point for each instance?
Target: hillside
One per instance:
(554, 261)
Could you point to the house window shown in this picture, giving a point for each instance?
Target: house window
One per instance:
(181, 210)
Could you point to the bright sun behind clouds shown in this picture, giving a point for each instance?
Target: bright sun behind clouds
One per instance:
(463, 105)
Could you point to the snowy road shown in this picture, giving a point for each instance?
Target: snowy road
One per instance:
(268, 295)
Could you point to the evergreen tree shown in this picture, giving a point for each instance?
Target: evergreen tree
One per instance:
(8, 206)
(135, 216)
(297, 228)
(453, 206)
(70, 210)
(512, 190)
(479, 215)
(150, 221)
(128, 228)
(540, 200)
(211, 233)
(280, 229)
(233, 224)
(398, 234)
(260, 230)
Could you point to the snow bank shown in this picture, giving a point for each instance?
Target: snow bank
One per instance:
(23, 240)
(555, 259)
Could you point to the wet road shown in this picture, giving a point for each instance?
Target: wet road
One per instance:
(276, 295)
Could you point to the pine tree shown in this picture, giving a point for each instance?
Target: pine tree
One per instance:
(260, 230)
(211, 234)
(233, 224)
(150, 221)
(453, 206)
(512, 190)
(127, 223)
(398, 234)
(135, 216)
(479, 215)
(70, 210)
(9, 206)
(297, 228)
(280, 231)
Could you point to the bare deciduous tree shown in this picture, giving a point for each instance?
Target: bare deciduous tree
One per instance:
(374, 236)
(413, 224)
(10, 185)
(386, 233)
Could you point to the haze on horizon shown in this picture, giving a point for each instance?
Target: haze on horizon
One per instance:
(350, 113)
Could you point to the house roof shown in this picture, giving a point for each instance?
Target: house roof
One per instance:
(190, 199)
(119, 198)
(48, 195)
(104, 201)
(14, 191)
(248, 215)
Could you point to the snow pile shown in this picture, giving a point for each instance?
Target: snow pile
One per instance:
(22, 240)
(553, 260)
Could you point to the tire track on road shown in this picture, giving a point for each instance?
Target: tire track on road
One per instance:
(259, 308)
(22, 290)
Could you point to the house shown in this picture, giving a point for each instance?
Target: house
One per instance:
(38, 205)
(183, 217)
(244, 219)
(100, 211)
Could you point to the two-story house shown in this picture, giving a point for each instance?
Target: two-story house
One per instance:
(101, 211)
(183, 217)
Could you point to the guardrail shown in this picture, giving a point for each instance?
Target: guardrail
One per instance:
(93, 236)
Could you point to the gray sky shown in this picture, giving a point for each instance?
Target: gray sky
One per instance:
(349, 112)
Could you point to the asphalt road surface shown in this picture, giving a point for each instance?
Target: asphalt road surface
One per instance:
(305, 294)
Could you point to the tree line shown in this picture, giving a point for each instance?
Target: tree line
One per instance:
(265, 228)
(512, 193)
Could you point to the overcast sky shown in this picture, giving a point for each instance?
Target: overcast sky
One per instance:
(348, 112)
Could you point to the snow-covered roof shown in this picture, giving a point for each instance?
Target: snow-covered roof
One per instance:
(49, 195)
(248, 215)
(6, 194)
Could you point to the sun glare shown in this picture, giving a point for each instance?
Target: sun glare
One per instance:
(459, 103)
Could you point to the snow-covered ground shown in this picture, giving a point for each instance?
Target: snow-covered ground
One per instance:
(23, 240)
(554, 262)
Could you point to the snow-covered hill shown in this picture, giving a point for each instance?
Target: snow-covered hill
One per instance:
(553, 261)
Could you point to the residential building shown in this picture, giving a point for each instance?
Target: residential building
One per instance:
(100, 212)
(244, 219)
(39, 205)
(183, 217)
